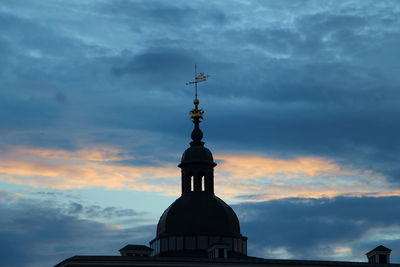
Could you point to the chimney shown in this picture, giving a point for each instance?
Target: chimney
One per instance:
(135, 251)
(380, 255)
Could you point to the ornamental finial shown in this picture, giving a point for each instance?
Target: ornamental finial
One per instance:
(197, 113)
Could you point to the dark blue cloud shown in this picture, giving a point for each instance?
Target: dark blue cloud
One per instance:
(156, 68)
(306, 228)
(36, 233)
(323, 84)
(96, 211)
(171, 15)
(312, 228)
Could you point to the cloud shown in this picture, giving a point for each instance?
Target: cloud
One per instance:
(153, 17)
(241, 177)
(59, 169)
(342, 228)
(157, 69)
(253, 167)
(301, 79)
(96, 211)
(34, 233)
(10, 197)
(257, 178)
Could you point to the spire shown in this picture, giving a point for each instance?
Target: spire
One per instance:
(197, 162)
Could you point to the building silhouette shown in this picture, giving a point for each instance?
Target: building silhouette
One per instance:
(200, 229)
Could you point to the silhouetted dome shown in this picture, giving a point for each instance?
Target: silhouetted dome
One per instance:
(197, 154)
(198, 213)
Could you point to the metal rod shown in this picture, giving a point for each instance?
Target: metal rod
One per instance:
(195, 81)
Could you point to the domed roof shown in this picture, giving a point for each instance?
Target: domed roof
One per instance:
(198, 213)
(197, 154)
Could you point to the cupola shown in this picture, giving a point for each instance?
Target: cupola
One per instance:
(198, 219)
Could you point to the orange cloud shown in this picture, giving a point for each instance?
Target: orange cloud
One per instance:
(60, 169)
(250, 167)
(258, 178)
(262, 192)
(241, 177)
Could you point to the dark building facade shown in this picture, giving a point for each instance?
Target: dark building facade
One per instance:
(200, 229)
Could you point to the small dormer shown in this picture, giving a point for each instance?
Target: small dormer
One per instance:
(218, 251)
(380, 255)
(135, 251)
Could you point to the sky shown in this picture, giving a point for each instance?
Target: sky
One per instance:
(302, 112)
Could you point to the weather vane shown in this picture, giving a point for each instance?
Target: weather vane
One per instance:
(197, 113)
(201, 77)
